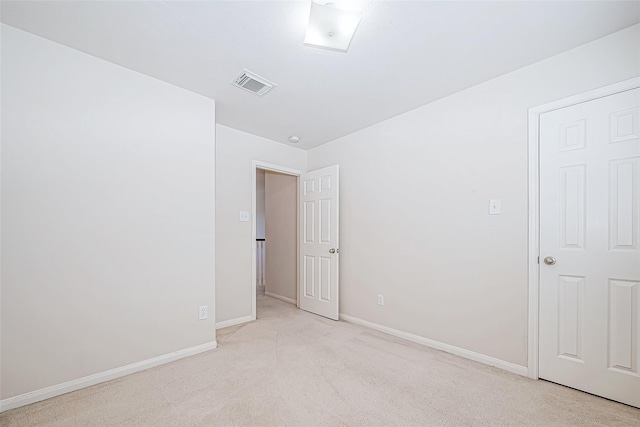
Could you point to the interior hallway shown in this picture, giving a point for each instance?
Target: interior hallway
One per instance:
(292, 368)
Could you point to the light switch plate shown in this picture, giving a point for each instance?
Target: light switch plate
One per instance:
(244, 216)
(494, 207)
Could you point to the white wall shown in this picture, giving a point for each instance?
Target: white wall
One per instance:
(414, 204)
(281, 209)
(235, 152)
(107, 215)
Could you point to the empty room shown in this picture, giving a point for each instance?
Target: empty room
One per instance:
(320, 213)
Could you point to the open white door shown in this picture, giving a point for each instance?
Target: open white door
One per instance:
(590, 246)
(319, 253)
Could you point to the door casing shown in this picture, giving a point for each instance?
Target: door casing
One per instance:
(534, 205)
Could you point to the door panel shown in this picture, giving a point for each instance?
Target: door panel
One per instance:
(570, 312)
(319, 253)
(590, 224)
(624, 203)
(572, 213)
(623, 333)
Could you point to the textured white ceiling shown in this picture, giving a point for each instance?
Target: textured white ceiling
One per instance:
(404, 54)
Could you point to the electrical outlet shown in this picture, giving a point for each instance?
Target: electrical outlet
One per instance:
(203, 312)
(380, 300)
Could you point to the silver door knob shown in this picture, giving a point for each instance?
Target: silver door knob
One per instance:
(332, 251)
(549, 260)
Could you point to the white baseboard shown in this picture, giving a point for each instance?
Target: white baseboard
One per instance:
(233, 322)
(69, 386)
(467, 354)
(281, 298)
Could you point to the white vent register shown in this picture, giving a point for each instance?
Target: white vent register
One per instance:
(253, 83)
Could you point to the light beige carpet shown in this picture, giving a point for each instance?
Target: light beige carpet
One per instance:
(291, 368)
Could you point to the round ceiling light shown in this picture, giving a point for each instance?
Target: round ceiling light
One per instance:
(294, 139)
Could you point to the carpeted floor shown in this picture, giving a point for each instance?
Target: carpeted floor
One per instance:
(291, 368)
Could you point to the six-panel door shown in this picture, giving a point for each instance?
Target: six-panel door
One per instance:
(319, 251)
(590, 224)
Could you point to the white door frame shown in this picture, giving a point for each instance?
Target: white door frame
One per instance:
(534, 204)
(257, 164)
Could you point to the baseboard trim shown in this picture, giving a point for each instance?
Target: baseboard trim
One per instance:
(281, 298)
(233, 322)
(112, 374)
(467, 354)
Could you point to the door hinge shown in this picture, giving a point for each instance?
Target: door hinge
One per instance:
(538, 260)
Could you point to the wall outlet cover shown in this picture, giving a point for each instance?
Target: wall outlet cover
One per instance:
(203, 312)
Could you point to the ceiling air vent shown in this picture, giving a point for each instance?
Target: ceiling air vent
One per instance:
(253, 83)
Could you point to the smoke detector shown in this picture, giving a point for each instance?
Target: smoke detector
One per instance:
(253, 83)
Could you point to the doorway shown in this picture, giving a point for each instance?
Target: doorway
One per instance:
(275, 233)
(277, 222)
(585, 269)
(317, 239)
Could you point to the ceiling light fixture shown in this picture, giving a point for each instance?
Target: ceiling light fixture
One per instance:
(332, 25)
(294, 139)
